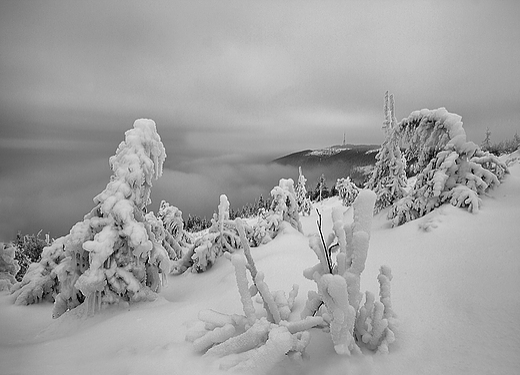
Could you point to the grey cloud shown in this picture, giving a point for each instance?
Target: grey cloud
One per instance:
(240, 82)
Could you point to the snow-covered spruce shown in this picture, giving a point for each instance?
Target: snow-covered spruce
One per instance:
(112, 255)
(338, 299)
(347, 190)
(252, 343)
(9, 267)
(388, 179)
(449, 168)
(303, 201)
(221, 237)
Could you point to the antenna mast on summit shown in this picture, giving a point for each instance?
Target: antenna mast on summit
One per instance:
(344, 142)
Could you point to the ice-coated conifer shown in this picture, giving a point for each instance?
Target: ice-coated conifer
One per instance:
(388, 179)
(347, 190)
(449, 168)
(112, 255)
(304, 203)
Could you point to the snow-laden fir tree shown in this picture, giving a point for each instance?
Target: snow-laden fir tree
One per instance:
(304, 203)
(449, 168)
(112, 255)
(388, 179)
(347, 190)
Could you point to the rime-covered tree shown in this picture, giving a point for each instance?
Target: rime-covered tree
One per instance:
(321, 188)
(304, 203)
(112, 255)
(348, 191)
(486, 143)
(388, 179)
(450, 168)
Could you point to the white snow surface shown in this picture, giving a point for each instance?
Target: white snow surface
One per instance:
(455, 290)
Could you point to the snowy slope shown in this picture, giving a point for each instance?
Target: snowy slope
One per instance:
(456, 290)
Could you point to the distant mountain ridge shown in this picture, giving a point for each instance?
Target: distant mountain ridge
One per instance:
(334, 162)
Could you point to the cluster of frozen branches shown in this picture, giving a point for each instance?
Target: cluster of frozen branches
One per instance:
(113, 254)
(338, 299)
(254, 342)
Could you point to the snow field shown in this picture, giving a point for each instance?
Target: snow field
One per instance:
(455, 290)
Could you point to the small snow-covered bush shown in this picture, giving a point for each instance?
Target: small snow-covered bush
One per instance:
(221, 237)
(338, 299)
(9, 266)
(449, 168)
(347, 190)
(112, 255)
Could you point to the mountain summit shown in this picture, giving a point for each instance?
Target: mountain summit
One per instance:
(334, 162)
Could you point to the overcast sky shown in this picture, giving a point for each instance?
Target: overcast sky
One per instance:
(231, 85)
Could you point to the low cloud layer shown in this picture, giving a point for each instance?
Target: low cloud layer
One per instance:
(53, 194)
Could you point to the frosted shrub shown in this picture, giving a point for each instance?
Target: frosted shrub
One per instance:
(449, 168)
(9, 266)
(388, 179)
(251, 343)
(348, 191)
(338, 299)
(284, 208)
(221, 237)
(168, 228)
(303, 201)
(112, 255)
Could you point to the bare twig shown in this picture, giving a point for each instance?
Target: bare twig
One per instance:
(327, 254)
